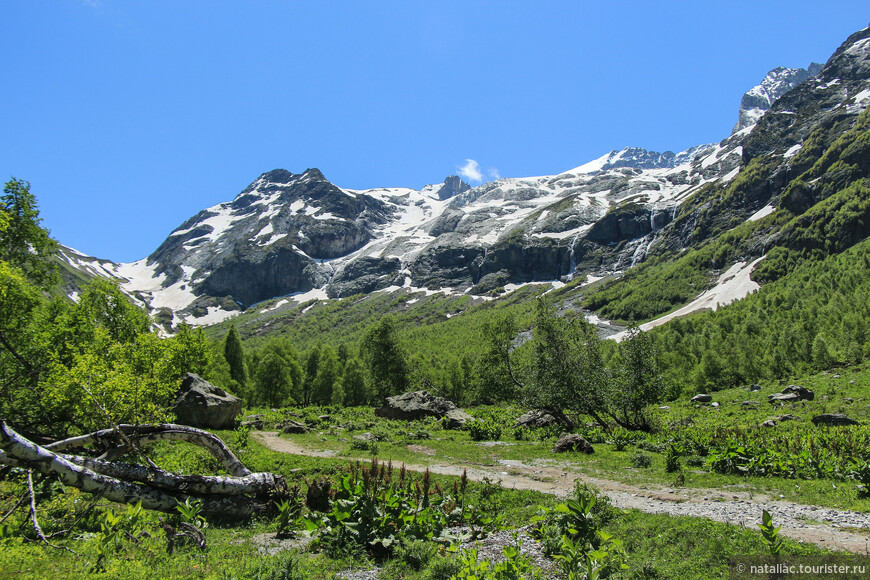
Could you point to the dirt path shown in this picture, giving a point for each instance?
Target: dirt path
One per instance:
(826, 527)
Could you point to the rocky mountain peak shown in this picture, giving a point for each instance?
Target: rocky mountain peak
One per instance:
(775, 84)
(640, 158)
(452, 186)
(299, 234)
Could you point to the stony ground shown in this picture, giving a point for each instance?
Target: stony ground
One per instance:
(827, 527)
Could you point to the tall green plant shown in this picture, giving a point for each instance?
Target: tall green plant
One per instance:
(235, 356)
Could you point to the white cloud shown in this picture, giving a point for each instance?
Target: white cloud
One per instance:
(471, 171)
(493, 173)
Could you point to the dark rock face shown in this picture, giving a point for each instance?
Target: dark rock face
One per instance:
(279, 272)
(535, 419)
(833, 419)
(527, 260)
(572, 442)
(363, 275)
(267, 242)
(446, 222)
(419, 404)
(447, 265)
(702, 398)
(797, 112)
(201, 404)
(628, 223)
(453, 186)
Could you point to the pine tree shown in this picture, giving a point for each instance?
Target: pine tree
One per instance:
(312, 363)
(273, 382)
(235, 355)
(328, 373)
(353, 383)
(385, 358)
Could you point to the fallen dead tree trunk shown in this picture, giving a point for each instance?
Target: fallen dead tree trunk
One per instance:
(240, 495)
(116, 442)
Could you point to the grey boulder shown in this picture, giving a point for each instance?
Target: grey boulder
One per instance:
(833, 419)
(572, 442)
(783, 398)
(201, 404)
(804, 393)
(535, 419)
(419, 404)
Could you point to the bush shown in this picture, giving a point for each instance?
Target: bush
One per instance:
(484, 430)
(443, 568)
(620, 438)
(417, 553)
(641, 460)
(522, 433)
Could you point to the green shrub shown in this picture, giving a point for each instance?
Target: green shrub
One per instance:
(641, 460)
(484, 430)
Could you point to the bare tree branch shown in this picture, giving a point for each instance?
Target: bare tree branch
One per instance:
(35, 521)
(238, 496)
(108, 439)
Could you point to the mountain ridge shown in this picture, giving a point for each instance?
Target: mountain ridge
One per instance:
(300, 234)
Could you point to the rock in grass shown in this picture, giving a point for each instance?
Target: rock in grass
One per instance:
(572, 442)
(833, 419)
(702, 398)
(772, 421)
(535, 419)
(804, 393)
(201, 404)
(419, 404)
(783, 398)
(293, 427)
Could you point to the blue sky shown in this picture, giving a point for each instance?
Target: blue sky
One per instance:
(128, 117)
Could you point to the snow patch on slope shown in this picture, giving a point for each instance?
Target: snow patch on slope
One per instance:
(733, 284)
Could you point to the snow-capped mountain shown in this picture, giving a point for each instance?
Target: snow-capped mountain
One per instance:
(778, 82)
(299, 234)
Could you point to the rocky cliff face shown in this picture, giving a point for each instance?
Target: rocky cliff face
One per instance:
(296, 233)
(778, 82)
(837, 94)
(300, 234)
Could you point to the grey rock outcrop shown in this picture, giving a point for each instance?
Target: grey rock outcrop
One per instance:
(294, 427)
(783, 398)
(804, 393)
(572, 442)
(792, 394)
(834, 419)
(419, 404)
(201, 404)
(778, 82)
(452, 187)
(535, 419)
(701, 398)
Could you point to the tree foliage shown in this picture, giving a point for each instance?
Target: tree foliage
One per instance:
(24, 244)
(385, 358)
(235, 356)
